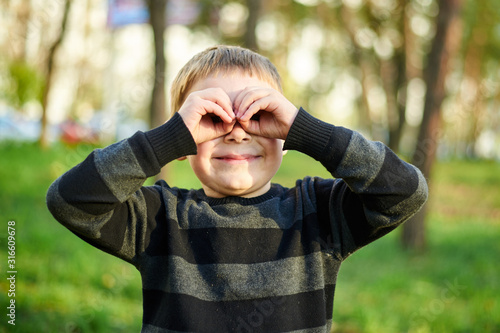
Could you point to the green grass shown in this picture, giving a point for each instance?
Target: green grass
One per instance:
(65, 285)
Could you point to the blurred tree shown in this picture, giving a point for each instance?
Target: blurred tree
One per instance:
(250, 38)
(444, 47)
(478, 79)
(395, 74)
(157, 110)
(157, 11)
(19, 32)
(50, 73)
(25, 84)
(88, 94)
(381, 39)
(364, 60)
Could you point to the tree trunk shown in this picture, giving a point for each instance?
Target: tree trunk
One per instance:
(398, 89)
(390, 69)
(44, 142)
(253, 16)
(444, 45)
(157, 111)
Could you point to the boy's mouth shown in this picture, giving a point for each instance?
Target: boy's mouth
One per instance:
(236, 158)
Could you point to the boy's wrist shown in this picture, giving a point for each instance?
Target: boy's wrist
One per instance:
(318, 139)
(308, 134)
(171, 140)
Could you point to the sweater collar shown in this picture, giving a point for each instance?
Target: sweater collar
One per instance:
(273, 192)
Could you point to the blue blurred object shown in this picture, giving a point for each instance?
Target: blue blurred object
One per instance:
(14, 126)
(124, 12)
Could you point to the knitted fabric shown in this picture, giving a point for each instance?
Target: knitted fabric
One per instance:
(234, 264)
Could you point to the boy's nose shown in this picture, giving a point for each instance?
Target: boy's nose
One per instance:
(237, 135)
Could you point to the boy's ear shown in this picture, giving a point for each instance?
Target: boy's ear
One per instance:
(181, 158)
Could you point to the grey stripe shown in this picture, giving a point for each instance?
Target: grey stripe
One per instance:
(362, 162)
(228, 282)
(263, 215)
(322, 329)
(146, 328)
(115, 161)
(275, 213)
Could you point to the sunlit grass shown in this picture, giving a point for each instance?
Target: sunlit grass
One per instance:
(65, 285)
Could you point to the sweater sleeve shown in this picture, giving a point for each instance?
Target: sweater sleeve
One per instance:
(375, 191)
(102, 199)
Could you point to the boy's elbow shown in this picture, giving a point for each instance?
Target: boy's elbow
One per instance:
(51, 198)
(55, 203)
(419, 197)
(423, 189)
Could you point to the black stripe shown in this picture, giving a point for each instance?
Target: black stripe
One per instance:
(88, 193)
(243, 246)
(361, 230)
(394, 183)
(286, 313)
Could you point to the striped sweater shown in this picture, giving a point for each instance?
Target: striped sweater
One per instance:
(233, 264)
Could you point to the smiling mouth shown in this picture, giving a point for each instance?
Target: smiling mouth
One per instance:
(237, 158)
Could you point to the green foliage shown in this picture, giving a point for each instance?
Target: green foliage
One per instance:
(65, 285)
(483, 16)
(24, 84)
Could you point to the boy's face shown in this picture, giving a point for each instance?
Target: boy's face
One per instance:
(239, 163)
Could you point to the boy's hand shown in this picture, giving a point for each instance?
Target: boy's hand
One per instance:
(208, 114)
(264, 111)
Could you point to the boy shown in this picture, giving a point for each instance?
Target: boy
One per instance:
(241, 254)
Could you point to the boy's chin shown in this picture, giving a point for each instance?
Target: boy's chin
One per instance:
(229, 191)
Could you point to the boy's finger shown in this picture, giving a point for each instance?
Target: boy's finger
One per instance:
(208, 107)
(249, 113)
(219, 97)
(222, 114)
(246, 98)
(263, 104)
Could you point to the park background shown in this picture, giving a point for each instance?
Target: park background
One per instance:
(420, 75)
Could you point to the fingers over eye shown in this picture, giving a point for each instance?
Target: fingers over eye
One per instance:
(224, 106)
(253, 112)
(220, 115)
(248, 97)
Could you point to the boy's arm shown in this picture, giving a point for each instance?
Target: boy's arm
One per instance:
(102, 199)
(378, 191)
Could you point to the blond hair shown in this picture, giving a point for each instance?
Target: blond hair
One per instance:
(221, 59)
